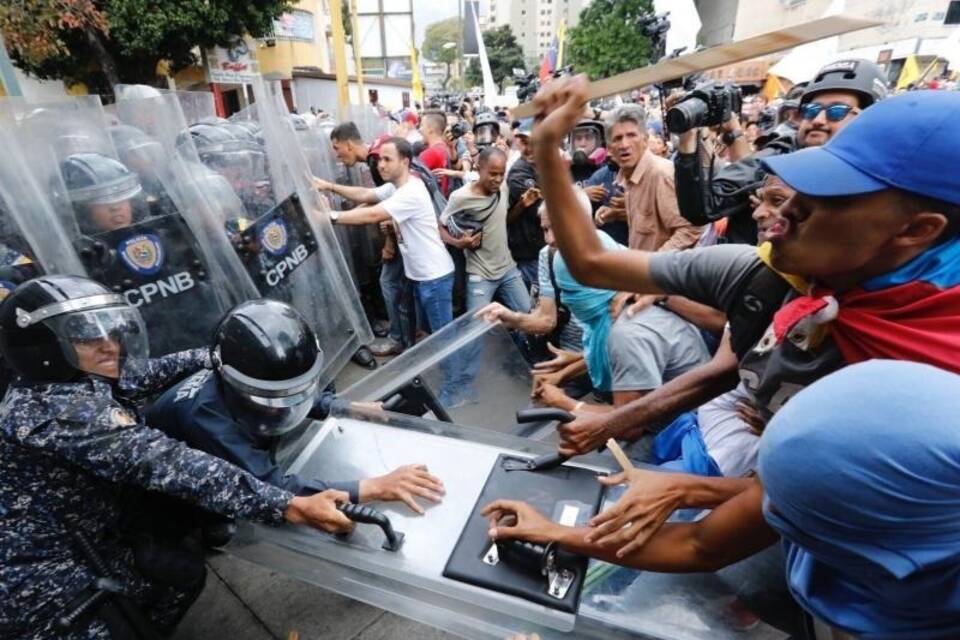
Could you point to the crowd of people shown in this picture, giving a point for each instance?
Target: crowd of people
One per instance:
(766, 306)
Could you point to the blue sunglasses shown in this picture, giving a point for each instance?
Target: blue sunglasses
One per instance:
(835, 112)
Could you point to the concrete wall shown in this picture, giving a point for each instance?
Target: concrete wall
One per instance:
(322, 93)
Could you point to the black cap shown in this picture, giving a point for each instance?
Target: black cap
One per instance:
(856, 75)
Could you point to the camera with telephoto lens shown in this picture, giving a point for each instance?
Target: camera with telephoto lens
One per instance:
(708, 105)
(457, 130)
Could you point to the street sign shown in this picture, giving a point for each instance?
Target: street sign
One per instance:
(721, 55)
(232, 65)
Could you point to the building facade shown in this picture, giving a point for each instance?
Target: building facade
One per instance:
(533, 22)
(911, 27)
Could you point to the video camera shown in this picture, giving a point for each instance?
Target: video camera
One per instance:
(708, 105)
(527, 84)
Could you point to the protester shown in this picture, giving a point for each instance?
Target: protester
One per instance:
(438, 153)
(873, 224)
(396, 288)
(523, 222)
(404, 200)
(477, 213)
(628, 357)
(867, 513)
(650, 200)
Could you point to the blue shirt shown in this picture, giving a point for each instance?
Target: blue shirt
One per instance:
(591, 307)
(606, 176)
(195, 412)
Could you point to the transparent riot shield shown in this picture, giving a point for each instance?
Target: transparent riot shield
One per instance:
(125, 218)
(197, 106)
(615, 602)
(279, 225)
(371, 124)
(470, 372)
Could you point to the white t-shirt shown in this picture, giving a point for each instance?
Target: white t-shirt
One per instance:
(424, 255)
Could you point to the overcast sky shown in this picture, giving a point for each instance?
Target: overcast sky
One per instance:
(428, 11)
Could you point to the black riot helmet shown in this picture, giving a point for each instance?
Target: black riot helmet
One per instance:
(858, 76)
(57, 328)
(269, 361)
(137, 149)
(486, 129)
(96, 179)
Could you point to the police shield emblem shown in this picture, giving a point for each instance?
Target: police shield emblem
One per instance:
(273, 237)
(142, 254)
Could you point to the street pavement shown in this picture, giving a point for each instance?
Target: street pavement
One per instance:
(243, 601)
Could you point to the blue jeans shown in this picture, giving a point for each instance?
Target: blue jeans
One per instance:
(398, 297)
(510, 291)
(435, 298)
(530, 269)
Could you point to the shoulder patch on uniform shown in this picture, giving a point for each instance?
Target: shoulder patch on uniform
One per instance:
(121, 417)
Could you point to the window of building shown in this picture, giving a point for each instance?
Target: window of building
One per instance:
(938, 16)
(920, 17)
(953, 13)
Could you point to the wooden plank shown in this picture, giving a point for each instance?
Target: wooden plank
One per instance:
(721, 55)
(618, 453)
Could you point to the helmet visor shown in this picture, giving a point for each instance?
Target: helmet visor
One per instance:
(486, 134)
(102, 341)
(274, 416)
(273, 407)
(585, 139)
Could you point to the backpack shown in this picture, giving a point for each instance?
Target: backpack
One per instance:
(418, 169)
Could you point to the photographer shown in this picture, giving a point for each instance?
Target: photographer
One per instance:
(836, 95)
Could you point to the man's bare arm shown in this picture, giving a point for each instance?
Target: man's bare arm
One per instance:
(361, 195)
(733, 531)
(558, 109)
(685, 392)
(363, 215)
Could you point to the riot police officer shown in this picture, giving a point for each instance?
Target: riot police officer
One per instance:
(587, 149)
(486, 129)
(73, 445)
(106, 195)
(146, 157)
(264, 383)
(153, 261)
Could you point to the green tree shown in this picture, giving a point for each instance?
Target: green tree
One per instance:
(435, 40)
(606, 41)
(102, 42)
(503, 53)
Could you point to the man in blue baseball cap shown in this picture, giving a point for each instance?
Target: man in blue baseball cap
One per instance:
(870, 252)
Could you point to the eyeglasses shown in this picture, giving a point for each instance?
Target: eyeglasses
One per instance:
(835, 112)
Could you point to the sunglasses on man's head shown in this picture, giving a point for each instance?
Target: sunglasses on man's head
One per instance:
(835, 112)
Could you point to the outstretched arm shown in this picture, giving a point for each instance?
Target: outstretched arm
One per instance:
(733, 531)
(360, 195)
(559, 105)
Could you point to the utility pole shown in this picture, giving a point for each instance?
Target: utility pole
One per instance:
(357, 60)
(460, 42)
(340, 59)
(10, 83)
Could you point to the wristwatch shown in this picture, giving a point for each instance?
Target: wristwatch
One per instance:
(729, 137)
(334, 215)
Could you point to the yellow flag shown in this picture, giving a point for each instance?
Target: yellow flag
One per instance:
(910, 72)
(415, 79)
(772, 88)
(561, 35)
